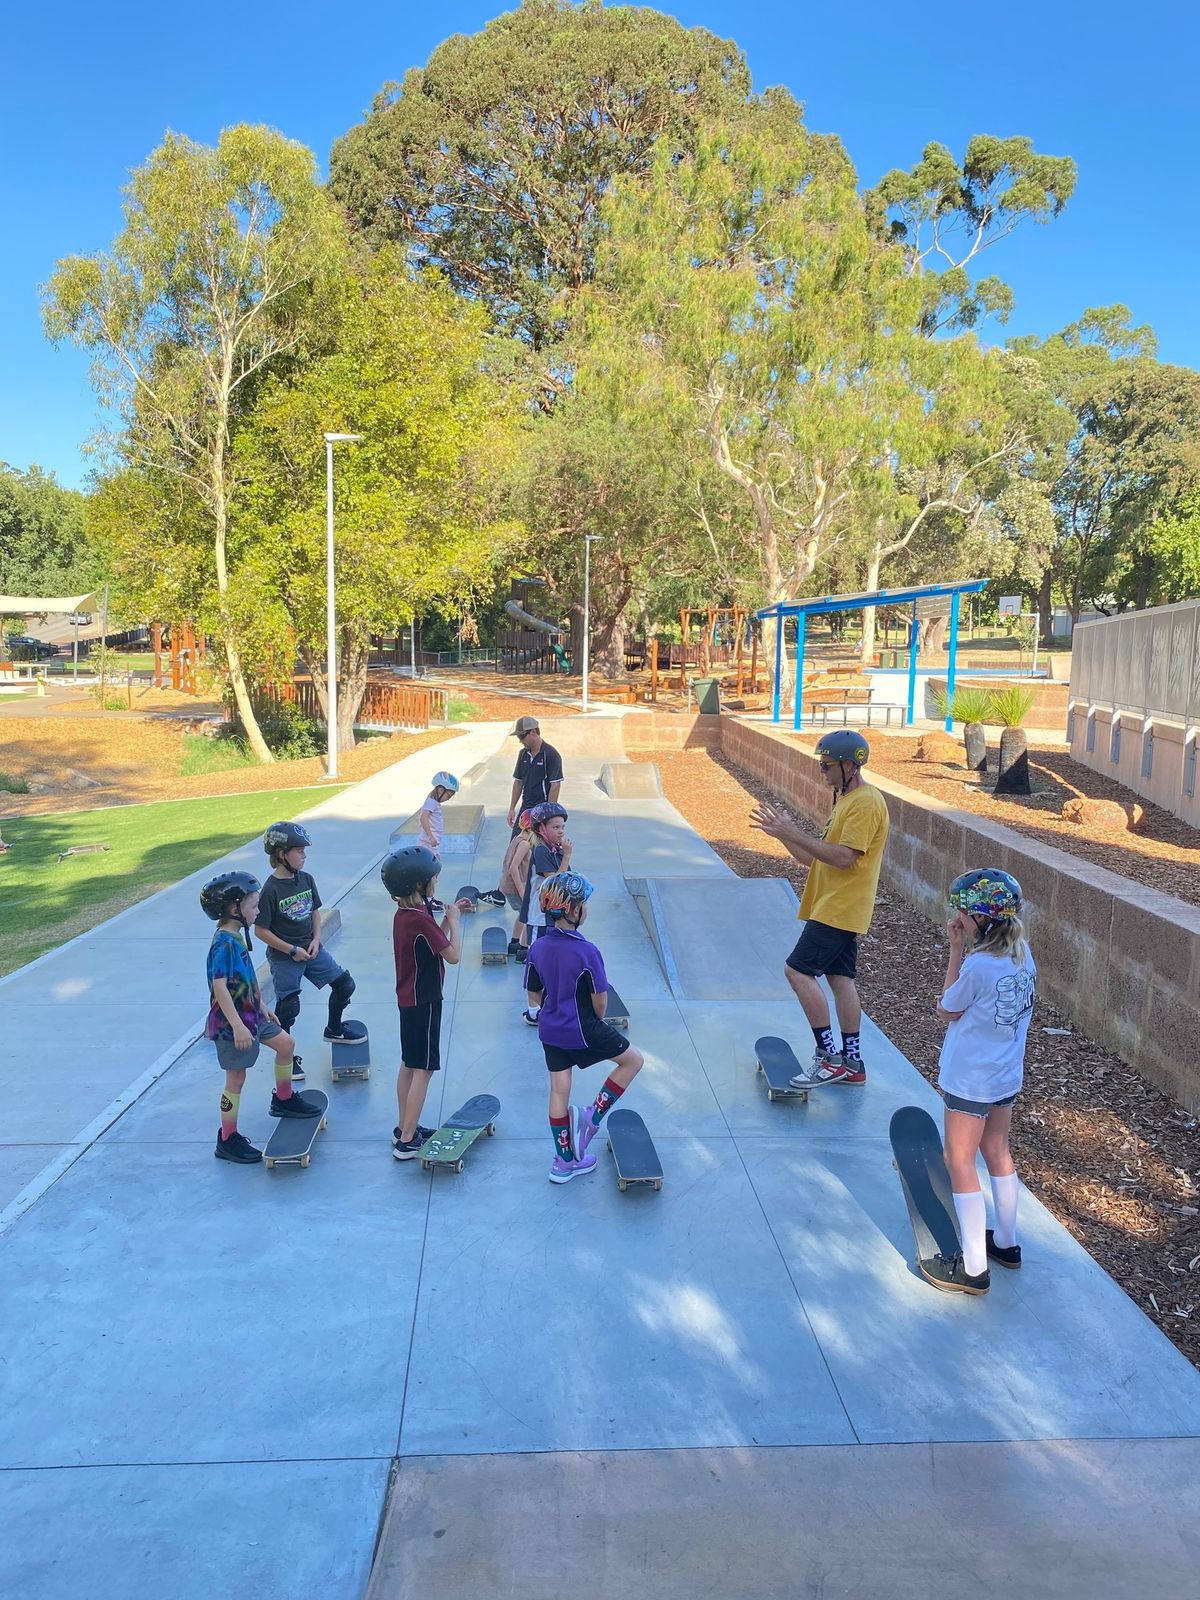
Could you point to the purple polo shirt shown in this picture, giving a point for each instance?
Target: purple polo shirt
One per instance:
(569, 969)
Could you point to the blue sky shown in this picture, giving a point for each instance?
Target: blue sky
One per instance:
(86, 92)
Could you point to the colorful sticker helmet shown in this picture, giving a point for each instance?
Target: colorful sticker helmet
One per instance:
(525, 820)
(285, 836)
(985, 892)
(408, 869)
(562, 892)
(445, 780)
(844, 744)
(227, 888)
(545, 812)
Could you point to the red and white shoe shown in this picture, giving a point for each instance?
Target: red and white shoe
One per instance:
(831, 1067)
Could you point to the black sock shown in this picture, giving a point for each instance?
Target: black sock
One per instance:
(824, 1038)
(850, 1047)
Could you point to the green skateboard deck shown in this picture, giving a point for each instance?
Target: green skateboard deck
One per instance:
(449, 1145)
(293, 1138)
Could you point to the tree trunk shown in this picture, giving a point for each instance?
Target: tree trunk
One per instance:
(975, 744)
(867, 650)
(233, 661)
(608, 646)
(1046, 610)
(1014, 763)
(932, 634)
(352, 684)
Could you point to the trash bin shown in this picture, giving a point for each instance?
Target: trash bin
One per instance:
(708, 697)
(887, 658)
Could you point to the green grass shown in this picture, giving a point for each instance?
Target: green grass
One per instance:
(10, 784)
(42, 903)
(463, 710)
(203, 754)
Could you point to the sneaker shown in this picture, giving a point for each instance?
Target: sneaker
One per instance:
(492, 897)
(520, 954)
(339, 1035)
(583, 1129)
(297, 1069)
(531, 1017)
(422, 1133)
(294, 1106)
(406, 1150)
(516, 950)
(827, 1067)
(853, 1071)
(1006, 1255)
(237, 1148)
(563, 1171)
(950, 1274)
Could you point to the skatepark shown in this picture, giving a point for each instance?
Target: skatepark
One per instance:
(359, 1379)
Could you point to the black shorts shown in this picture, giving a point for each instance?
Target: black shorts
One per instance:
(421, 1036)
(825, 952)
(600, 1043)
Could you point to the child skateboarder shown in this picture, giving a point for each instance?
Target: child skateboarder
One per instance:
(566, 977)
(987, 1002)
(431, 824)
(550, 853)
(421, 948)
(289, 924)
(514, 871)
(237, 1019)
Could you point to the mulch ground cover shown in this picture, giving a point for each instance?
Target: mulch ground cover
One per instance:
(1162, 852)
(1115, 1160)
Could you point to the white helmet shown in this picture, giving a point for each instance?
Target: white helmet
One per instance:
(445, 780)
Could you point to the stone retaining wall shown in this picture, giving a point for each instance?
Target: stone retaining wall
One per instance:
(1122, 961)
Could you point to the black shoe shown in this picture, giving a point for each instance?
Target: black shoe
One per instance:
(492, 897)
(519, 954)
(422, 1133)
(297, 1069)
(294, 1106)
(1006, 1255)
(339, 1035)
(515, 947)
(406, 1151)
(951, 1275)
(237, 1148)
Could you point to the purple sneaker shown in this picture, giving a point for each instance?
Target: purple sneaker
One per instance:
(583, 1129)
(563, 1171)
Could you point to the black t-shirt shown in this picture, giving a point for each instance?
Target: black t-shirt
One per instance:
(286, 906)
(537, 773)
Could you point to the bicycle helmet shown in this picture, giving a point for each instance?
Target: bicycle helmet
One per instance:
(545, 812)
(445, 780)
(227, 889)
(408, 869)
(844, 744)
(281, 837)
(986, 892)
(562, 892)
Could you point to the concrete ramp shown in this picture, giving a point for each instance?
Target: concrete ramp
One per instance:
(463, 825)
(631, 780)
(596, 737)
(720, 938)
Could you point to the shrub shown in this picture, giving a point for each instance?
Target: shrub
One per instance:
(1010, 705)
(969, 705)
(290, 735)
(11, 784)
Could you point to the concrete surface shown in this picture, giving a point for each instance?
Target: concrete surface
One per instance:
(631, 780)
(736, 1387)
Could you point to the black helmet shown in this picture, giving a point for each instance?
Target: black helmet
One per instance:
(844, 744)
(408, 869)
(225, 888)
(285, 836)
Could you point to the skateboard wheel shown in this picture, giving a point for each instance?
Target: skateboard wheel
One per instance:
(459, 1165)
(304, 1161)
(658, 1183)
(491, 1128)
(771, 1094)
(271, 1165)
(427, 1166)
(622, 1185)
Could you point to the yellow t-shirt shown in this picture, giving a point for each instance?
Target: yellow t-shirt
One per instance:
(844, 897)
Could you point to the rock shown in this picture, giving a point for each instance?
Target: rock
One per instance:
(939, 747)
(1109, 816)
(74, 779)
(43, 782)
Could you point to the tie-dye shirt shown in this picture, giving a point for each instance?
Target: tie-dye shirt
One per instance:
(228, 958)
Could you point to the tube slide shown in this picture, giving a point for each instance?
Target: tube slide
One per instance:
(514, 610)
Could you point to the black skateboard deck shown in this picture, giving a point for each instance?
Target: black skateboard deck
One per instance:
(350, 1058)
(778, 1064)
(293, 1137)
(918, 1158)
(616, 1012)
(494, 947)
(448, 1146)
(469, 893)
(633, 1152)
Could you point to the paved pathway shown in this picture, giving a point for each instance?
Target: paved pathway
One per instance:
(736, 1387)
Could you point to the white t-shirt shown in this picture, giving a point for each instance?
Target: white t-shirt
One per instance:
(433, 824)
(983, 1055)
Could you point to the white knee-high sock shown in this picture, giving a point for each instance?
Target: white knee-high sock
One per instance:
(972, 1228)
(1004, 1197)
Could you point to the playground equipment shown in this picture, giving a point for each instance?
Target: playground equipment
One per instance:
(537, 645)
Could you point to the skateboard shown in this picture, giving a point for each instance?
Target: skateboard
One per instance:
(633, 1152)
(917, 1157)
(351, 1059)
(616, 1013)
(448, 1146)
(778, 1063)
(292, 1141)
(470, 893)
(494, 947)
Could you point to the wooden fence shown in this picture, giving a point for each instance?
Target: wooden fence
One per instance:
(384, 705)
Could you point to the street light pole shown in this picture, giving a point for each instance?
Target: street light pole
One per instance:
(331, 766)
(587, 611)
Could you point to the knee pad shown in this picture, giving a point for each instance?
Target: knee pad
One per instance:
(341, 989)
(287, 1010)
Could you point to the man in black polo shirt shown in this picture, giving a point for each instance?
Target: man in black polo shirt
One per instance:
(537, 775)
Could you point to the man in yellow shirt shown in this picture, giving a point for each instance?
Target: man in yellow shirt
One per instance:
(838, 900)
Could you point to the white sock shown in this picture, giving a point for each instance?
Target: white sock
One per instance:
(1004, 1197)
(972, 1230)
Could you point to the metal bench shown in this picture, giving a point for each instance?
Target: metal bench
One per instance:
(866, 710)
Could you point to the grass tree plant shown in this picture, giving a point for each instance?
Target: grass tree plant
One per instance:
(1009, 707)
